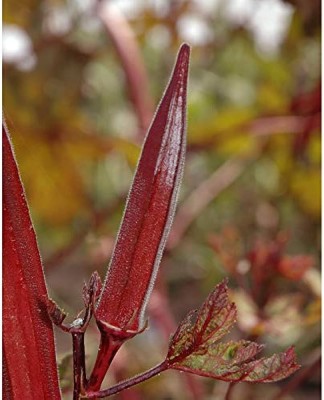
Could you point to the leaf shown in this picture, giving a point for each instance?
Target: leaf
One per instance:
(28, 340)
(90, 294)
(149, 211)
(56, 314)
(194, 346)
(295, 267)
(92, 290)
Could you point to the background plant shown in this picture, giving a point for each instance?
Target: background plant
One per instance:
(253, 146)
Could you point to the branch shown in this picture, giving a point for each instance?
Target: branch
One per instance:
(257, 128)
(229, 390)
(79, 370)
(127, 49)
(159, 310)
(98, 218)
(266, 126)
(202, 196)
(128, 383)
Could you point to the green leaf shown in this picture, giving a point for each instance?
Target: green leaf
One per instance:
(193, 347)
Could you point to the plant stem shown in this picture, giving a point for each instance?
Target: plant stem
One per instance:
(124, 41)
(107, 350)
(128, 383)
(97, 218)
(159, 310)
(79, 372)
(202, 196)
(229, 391)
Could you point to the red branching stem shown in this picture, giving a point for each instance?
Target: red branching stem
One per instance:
(127, 49)
(107, 350)
(79, 371)
(128, 383)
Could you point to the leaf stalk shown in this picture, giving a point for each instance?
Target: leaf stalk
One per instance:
(128, 383)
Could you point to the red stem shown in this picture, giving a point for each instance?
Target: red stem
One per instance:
(79, 372)
(159, 309)
(128, 383)
(107, 350)
(97, 219)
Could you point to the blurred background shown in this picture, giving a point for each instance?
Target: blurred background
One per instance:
(81, 80)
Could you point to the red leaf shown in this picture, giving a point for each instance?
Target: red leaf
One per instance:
(30, 370)
(295, 267)
(194, 347)
(149, 211)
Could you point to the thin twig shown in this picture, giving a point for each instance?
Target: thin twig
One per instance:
(229, 390)
(202, 196)
(265, 126)
(128, 383)
(160, 310)
(123, 38)
(256, 128)
(98, 218)
(119, 371)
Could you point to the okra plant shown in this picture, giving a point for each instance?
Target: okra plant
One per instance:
(118, 304)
